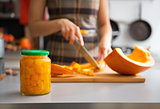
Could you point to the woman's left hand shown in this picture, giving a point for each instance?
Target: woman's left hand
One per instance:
(104, 48)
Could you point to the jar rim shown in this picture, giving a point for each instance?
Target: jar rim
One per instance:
(34, 52)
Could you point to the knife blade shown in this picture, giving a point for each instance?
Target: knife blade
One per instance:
(85, 53)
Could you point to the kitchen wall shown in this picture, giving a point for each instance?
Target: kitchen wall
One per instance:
(126, 11)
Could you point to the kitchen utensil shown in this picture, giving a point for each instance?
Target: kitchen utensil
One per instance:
(140, 29)
(115, 29)
(85, 53)
(105, 76)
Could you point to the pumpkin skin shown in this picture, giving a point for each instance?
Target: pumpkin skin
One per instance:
(138, 61)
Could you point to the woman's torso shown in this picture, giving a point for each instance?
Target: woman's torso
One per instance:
(84, 14)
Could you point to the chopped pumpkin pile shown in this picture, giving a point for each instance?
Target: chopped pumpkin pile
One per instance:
(74, 68)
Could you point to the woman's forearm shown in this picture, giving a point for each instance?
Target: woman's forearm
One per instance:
(104, 26)
(43, 28)
(105, 32)
(37, 25)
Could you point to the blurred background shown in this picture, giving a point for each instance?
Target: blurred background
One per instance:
(133, 22)
(125, 12)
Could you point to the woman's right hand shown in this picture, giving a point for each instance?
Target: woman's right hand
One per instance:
(70, 30)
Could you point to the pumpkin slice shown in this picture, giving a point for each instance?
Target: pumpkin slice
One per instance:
(57, 70)
(88, 72)
(101, 65)
(75, 66)
(138, 61)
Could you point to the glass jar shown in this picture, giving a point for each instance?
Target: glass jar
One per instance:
(35, 72)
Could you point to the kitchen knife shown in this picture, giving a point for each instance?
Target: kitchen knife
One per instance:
(85, 53)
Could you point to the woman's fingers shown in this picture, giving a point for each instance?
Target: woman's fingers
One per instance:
(72, 37)
(70, 30)
(99, 56)
(103, 52)
(67, 34)
(75, 32)
(79, 36)
(63, 32)
(109, 50)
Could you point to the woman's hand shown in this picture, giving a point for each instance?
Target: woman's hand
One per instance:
(105, 30)
(104, 48)
(70, 30)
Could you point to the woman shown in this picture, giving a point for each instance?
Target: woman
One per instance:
(67, 18)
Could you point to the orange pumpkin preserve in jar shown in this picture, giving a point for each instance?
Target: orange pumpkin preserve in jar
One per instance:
(35, 72)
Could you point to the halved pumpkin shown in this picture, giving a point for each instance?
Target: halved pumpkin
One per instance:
(138, 61)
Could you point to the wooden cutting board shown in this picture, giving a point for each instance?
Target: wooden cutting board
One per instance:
(106, 76)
